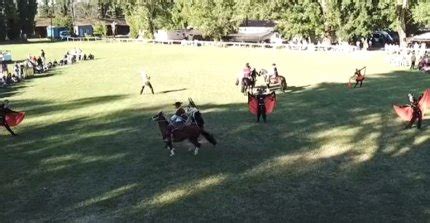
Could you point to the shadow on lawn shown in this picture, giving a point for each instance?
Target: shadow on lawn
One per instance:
(328, 153)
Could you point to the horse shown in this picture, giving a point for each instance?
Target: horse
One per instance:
(278, 80)
(247, 84)
(190, 132)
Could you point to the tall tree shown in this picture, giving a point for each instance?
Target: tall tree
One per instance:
(2, 21)
(302, 20)
(148, 15)
(421, 13)
(214, 18)
(12, 20)
(27, 10)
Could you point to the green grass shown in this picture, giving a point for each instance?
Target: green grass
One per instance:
(88, 151)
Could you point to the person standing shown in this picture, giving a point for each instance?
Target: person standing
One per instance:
(359, 77)
(413, 60)
(146, 82)
(4, 110)
(416, 114)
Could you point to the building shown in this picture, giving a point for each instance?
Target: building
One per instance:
(180, 34)
(256, 31)
(41, 25)
(257, 27)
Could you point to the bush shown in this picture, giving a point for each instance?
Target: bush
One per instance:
(100, 29)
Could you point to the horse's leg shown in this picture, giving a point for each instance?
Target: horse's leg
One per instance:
(169, 146)
(195, 142)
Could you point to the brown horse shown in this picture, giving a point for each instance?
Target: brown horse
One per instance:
(247, 84)
(190, 132)
(278, 80)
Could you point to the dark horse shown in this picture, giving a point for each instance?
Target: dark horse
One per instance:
(278, 80)
(247, 84)
(190, 132)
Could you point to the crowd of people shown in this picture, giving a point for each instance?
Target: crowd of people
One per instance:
(25, 69)
(37, 65)
(415, 56)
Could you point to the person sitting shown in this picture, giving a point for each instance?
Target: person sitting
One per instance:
(247, 71)
(180, 117)
(273, 74)
(177, 121)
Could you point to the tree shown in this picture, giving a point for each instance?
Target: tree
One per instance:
(214, 18)
(100, 29)
(12, 20)
(421, 13)
(302, 20)
(2, 21)
(148, 15)
(27, 10)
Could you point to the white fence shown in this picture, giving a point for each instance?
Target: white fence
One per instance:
(289, 46)
(89, 38)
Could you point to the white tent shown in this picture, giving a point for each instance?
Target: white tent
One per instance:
(425, 37)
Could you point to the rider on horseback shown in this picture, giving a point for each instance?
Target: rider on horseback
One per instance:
(274, 72)
(247, 71)
(177, 120)
(180, 116)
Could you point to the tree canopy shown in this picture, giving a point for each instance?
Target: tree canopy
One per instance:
(337, 20)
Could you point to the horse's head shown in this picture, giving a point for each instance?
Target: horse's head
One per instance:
(159, 117)
(263, 72)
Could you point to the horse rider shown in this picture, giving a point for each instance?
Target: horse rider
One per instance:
(247, 71)
(275, 70)
(177, 120)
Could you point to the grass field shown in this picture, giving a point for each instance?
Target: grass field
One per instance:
(89, 152)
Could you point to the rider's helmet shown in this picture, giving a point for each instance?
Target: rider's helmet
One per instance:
(177, 104)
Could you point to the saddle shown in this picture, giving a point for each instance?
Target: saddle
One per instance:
(273, 80)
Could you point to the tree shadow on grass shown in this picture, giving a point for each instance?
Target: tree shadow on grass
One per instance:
(328, 153)
(17, 88)
(171, 91)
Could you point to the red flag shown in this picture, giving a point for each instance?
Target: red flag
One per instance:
(269, 102)
(14, 119)
(405, 112)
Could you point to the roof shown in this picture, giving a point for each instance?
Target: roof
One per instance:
(258, 23)
(41, 22)
(254, 37)
(425, 37)
(87, 22)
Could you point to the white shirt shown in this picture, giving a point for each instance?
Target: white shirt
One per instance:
(145, 77)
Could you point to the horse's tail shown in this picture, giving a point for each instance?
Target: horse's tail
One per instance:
(284, 84)
(209, 137)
